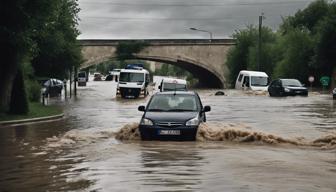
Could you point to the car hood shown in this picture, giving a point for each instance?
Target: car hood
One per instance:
(170, 116)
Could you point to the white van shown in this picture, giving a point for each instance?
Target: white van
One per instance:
(252, 80)
(171, 84)
(133, 82)
(82, 78)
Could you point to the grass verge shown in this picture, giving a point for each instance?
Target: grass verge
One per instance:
(35, 110)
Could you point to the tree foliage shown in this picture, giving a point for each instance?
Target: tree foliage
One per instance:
(304, 45)
(32, 30)
(57, 48)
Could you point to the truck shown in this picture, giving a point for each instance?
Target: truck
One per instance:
(133, 82)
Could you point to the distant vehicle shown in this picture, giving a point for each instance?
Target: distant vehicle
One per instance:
(114, 74)
(109, 77)
(171, 84)
(97, 76)
(172, 116)
(334, 93)
(133, 82)
(82, 78)
(52, 87)
(287, 87)
(252, 80)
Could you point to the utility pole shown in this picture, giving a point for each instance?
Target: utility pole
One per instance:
(259, 41)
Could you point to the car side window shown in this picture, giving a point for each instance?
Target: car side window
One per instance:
(240, 77)
(246, 81)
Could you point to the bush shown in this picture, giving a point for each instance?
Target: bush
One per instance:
(33, 90)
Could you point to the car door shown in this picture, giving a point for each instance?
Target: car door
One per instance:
(202, 114)
(277, 88)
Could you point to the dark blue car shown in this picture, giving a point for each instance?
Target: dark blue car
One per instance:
(172, 116)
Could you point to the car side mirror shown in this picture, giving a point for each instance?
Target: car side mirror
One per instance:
(206, 109)
(159, 86)
(141, 108)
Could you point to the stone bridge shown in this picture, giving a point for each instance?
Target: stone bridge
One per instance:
(205, 59)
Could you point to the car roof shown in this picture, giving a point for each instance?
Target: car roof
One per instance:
(173, 80)
(254, 73)
(134, 71)
(287, 79)
(176, 93)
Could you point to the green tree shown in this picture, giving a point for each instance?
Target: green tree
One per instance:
(237, 58)
(244, 56)
(57, 48)
(17, 29)
(32, 30)
(296, 49)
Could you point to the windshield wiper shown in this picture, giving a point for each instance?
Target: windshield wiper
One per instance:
(156, 110)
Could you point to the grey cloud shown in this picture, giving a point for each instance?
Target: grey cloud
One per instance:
(99, 19)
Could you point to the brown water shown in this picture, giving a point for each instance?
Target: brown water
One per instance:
(251, 142)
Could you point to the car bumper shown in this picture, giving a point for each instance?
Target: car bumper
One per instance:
(296, 92)
(181, 133)
(134, 92)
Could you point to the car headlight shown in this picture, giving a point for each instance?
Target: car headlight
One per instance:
(287, 90)
(191, 122)
(145, 121)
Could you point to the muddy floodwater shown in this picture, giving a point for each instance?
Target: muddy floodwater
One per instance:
(251, 142)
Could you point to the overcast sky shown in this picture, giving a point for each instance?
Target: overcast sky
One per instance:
(171, 19)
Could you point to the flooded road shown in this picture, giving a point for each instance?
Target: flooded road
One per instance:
(81, 152)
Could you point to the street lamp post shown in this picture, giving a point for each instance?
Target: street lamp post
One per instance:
(261, 17)
(194, 29)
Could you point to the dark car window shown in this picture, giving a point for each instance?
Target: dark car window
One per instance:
(131, 77)
(174, 103)
(82, 74)
(259, 81)
(291, 82)
(240, 77)
(174, 86)
(276, 83)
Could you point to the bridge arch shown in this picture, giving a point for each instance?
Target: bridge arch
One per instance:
(204, 59)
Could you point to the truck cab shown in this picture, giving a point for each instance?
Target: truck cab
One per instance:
(133, 82)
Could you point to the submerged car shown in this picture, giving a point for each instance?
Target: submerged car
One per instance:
(334, 93)
(52, 87)
(172, 116)
(287, 87)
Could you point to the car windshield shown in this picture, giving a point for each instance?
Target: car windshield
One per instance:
(131, 77)
(81, 75)
(173, 103)
(291, 82)
(174, 86)
(259, 81)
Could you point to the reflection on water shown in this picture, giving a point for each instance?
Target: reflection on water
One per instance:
(81, 153)
(170, 167)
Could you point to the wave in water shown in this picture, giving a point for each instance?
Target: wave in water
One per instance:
(232, 132)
